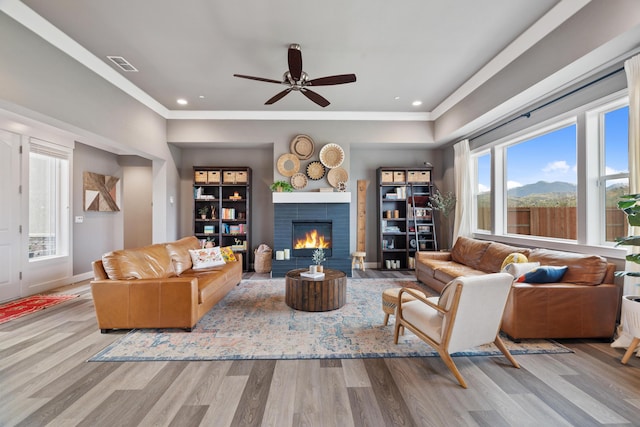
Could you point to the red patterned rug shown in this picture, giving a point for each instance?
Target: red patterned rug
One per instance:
(14, 309)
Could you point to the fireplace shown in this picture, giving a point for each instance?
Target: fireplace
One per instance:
(307, 236)
(327, 214)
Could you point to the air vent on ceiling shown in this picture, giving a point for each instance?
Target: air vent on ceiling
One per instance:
(122, 63)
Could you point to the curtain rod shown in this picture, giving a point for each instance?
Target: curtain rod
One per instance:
(528, 113)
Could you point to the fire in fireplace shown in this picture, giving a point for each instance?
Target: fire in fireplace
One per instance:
(307, 236)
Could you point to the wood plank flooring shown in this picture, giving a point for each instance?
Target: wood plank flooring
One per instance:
(45, 379)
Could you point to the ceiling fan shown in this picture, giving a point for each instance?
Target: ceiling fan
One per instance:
(298, 80)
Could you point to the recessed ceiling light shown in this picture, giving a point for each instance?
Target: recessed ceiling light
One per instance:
(416, 103)
(201, 97)
(396, 98)
(182, 101)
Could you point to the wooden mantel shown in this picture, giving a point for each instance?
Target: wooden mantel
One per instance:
(311, 197)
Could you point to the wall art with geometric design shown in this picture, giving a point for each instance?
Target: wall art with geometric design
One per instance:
(101, 192)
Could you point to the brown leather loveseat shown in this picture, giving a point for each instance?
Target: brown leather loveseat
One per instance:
(584, 304)
(155, 286)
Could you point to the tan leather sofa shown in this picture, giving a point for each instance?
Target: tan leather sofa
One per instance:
(155, 286)
(584, 305)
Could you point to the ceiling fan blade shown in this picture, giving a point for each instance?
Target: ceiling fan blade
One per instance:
(333, 80)
(277, 97)
(318, 99)
(260, 79)
(295, 61)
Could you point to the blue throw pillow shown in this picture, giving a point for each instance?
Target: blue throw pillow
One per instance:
(544, 274)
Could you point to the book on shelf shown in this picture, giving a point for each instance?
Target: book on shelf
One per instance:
(228, 213)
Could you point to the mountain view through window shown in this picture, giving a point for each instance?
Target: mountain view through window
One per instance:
(541, 181)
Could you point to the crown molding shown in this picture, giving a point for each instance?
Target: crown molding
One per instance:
(298, 115)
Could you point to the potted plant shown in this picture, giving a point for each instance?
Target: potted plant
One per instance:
(281, 186)
(630, 205)
(203, 211)
(445, 204)
(318, 258)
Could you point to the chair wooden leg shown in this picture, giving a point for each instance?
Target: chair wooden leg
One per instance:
(446, 358)
(630, 350)
(396, 332)
(503, 348)
(386, 319)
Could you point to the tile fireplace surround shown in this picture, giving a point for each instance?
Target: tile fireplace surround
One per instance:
(310, 206)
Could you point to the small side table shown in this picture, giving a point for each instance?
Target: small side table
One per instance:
(328, 293)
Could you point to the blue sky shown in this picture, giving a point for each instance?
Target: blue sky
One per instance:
(552, 157)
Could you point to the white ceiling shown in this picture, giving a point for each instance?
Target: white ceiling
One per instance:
(429, 50)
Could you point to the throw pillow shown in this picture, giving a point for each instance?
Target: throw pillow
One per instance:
(519, 269)
(206, 258)
(446, 297)
(515, 258)
(544, 274)
(227, 254)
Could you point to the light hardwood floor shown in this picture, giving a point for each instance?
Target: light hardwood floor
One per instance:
(45, 379)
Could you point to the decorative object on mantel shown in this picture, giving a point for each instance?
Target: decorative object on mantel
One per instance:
(299, 181)
(315, 170)
(331, 155)
(281, 186)
(100, 192)
(325, 190)
(342, 186)
(337, 175)
(302, 146)
(288, 164)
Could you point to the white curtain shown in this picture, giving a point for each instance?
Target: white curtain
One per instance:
(632, 69)
(464, 194)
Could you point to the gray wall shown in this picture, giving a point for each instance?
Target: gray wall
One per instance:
(42, 83)
(100, 231)
(363, 160)
(364, 164)
(137, 201)
(258, 158)
(263, 142)
(594, 36)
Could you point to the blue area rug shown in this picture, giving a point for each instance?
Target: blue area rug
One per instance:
(253, 322)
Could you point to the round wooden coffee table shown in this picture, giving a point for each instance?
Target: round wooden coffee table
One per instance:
(328, 293)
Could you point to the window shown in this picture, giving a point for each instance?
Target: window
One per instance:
(48, 201)
(482, 196)
(544, 193)
(541, 185)
(615, 169)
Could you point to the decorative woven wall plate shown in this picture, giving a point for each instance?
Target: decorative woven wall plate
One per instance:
(302, 146)
(315, 170)
(288, 164)
(337, 175)
(299, 181)
(332, 155)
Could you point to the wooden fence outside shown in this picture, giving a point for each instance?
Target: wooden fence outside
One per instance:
(555, 222)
